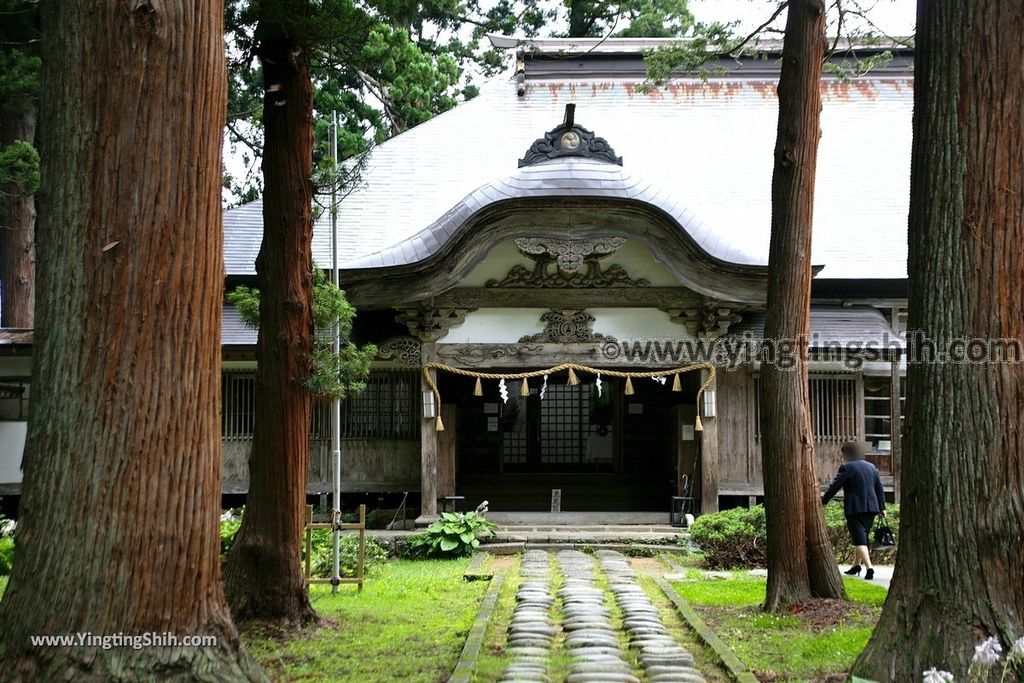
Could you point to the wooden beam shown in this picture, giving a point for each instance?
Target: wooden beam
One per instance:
(547, 297)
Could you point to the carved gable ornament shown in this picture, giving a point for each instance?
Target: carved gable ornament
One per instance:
(568, 263)
(569, 140)
(566, 327)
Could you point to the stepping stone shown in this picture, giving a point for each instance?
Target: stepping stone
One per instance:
(640, 621)
(597, 652)
(660, 670)
(649, 630)
(529, 651)
(588, 625)
(597, 667)
(591, 640)
(605, 677)
(532, 629)
(679, 660)
(694, 677)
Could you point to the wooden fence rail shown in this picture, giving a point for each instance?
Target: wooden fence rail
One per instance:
(359, 526)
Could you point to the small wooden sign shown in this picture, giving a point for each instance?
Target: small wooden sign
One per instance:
(556, 500)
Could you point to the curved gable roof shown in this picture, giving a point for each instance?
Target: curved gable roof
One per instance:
(707, 145)
(565, 177)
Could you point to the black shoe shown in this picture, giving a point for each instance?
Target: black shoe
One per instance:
(854, 570)
(869, 574)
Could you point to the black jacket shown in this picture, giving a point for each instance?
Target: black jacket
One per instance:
(862, 488)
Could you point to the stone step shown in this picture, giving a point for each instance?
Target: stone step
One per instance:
(509, 548)
(593, 528)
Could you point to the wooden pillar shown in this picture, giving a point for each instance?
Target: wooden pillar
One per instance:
(895, 436)
(446, 483)
(428, 453)
(709, 457)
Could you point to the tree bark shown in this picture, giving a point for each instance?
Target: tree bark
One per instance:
(119, 524)
(17, 224)
(800, 560)
(263, 573)
(961, 556)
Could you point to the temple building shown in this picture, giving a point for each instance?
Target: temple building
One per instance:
(574, 213)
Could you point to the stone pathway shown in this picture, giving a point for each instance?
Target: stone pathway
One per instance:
(530, 632)
(663, 659)
(592, 640)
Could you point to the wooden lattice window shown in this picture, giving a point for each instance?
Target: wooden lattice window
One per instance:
(238, 405)
(833, 402)
(387, 409)
(877, 415)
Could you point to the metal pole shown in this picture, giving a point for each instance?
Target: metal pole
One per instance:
(336, 403)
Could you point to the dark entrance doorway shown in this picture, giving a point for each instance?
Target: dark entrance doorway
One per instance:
(603, 450)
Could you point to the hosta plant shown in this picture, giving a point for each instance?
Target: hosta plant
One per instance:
(454, 534)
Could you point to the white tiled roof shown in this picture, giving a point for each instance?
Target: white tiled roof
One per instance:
(705, 148)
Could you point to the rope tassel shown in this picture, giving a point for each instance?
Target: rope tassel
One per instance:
(629, 386)
(478, 389)
(438, 425)
(698, 425)
(573, 379)
(524, 390)
(676, 385)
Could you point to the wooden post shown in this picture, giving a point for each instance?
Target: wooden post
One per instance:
(362, 544)
(895, 415)
(709, 457)
(308, 532)
(428, 455)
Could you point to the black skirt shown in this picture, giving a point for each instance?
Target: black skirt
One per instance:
(859, 526)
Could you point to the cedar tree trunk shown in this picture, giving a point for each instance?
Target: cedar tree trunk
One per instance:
(801, 564)
(17, 223)
(263, 574)
(961, 559)
(118, 530)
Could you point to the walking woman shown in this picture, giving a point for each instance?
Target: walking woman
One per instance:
(863, 498)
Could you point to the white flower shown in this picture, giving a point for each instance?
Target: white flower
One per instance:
(7, 527)
(933, 675)
(482, 508)
(988, 652)
(1017, 651)
(227, 516)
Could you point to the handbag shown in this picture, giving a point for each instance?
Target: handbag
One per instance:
(884, 538)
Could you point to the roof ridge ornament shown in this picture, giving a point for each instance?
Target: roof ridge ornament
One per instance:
(569, 140)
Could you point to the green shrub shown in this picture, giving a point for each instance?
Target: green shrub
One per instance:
(322, 548)
(229, 524)
(737, 538)
(6, 545)
(731, 538)
(453, 535)
(348, 554)
(6, 555)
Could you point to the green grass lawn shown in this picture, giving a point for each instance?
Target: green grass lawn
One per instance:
(408, 624)
(815, 643)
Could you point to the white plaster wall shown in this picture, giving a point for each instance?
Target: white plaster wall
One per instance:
(12, 444)
(633, 256)
(496, 326)
(626, 324)
(508, 325)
